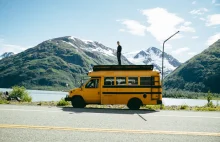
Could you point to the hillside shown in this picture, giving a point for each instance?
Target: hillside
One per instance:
(6, 54)
(200, 73)
(54, 63)
(153, 56)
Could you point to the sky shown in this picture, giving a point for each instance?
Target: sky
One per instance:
(137, 24)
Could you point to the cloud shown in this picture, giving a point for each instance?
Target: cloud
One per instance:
(194, 2)
(187, 23)
(213, 39)
(162, 24)
(203, 19)
(213, 1)
(192, 53)
(121, 30)
(200, 11)
(186, 29)
(213, 20)
(195, 37)
(133, 27)
(167, 46)
(180, 51)
(12, 48)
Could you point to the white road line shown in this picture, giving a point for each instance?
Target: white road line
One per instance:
(29, 110)
(183, 116)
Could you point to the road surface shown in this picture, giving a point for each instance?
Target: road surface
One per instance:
(50, 124)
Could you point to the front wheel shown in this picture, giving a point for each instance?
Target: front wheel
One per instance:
(134, 104)
(78, 102)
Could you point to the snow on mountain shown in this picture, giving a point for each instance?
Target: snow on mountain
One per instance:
(6, 54)
(89, 47)
(153, 56)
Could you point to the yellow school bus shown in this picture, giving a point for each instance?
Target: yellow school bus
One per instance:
(132, 85)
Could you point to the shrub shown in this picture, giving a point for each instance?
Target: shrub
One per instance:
(209, 97)
(21, 93)
(184, 107)
(3, 99)
(62, 102)
(210, 104)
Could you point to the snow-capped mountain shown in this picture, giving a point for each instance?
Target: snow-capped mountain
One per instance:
(88, 45)
(6, 54)
(153, 56)
(90, 50)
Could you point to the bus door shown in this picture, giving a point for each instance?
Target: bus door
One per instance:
(92, 90)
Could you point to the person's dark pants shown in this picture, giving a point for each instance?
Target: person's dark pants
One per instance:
(119, 58)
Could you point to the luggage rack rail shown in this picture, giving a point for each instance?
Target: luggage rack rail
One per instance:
(121, 67)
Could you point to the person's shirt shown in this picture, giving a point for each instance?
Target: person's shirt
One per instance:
(119, 49)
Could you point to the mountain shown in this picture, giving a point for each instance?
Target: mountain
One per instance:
(153, 56)
(6, 54)
(199, 74)
(55, 63)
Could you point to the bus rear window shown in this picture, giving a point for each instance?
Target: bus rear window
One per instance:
(121, 80)
(109, 81)
(132, 80)
(146, 81)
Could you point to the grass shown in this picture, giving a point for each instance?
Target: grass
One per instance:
(184, 107)
(62, 102)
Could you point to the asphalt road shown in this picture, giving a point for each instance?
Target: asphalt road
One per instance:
(52, 124)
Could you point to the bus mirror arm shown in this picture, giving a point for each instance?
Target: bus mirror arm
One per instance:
(81, 86)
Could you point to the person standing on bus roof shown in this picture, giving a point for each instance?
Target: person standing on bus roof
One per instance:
(119, 53)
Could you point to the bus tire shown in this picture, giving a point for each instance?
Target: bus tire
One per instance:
(134, 104)
(78, 102)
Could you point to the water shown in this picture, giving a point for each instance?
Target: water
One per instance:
(38, 95)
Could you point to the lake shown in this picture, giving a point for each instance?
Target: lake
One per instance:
(38, 95)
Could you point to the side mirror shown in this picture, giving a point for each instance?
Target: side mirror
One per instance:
(81, 86)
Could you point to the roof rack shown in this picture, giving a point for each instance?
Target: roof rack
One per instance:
(121, 67)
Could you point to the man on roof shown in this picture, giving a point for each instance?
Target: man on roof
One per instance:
(119, 48)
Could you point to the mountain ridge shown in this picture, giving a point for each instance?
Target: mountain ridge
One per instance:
(198, 74)
(153, 55)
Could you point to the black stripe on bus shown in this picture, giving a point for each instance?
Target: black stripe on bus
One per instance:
(129, 86)
(131, 92)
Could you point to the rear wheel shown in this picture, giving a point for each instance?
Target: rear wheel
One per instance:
(134, 103)
(78, 102)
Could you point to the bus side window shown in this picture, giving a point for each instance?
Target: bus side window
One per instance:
(109, 81)
(121, 80)
(146, 80)
(132, 80)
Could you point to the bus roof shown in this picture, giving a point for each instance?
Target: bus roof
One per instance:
(122, 67)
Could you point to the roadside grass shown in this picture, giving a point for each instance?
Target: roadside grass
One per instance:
(62, 102)
(184, 107)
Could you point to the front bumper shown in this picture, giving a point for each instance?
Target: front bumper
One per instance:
(67, 98)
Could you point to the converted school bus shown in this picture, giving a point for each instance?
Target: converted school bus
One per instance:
(132, 85)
